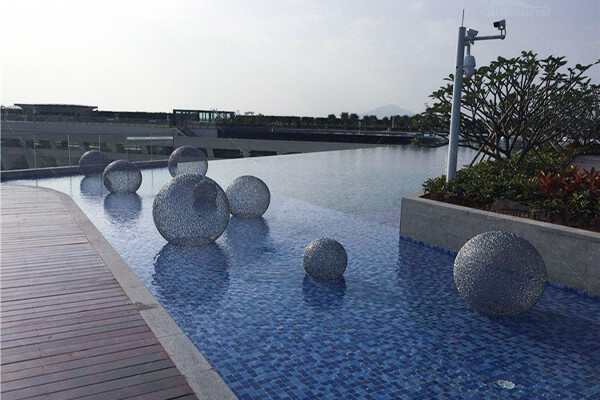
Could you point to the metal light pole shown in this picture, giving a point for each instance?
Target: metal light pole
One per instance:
(466, 66)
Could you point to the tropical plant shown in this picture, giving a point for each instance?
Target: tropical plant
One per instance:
(544, 181)
(517, 105)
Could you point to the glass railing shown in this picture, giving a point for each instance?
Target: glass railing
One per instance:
(91, 120)
(46, 150)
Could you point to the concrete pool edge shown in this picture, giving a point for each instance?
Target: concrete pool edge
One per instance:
(570, 254)
(202, 378)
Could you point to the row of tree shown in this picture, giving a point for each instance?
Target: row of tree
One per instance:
(350, 121)
(522, 104)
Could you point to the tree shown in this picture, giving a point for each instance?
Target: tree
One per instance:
(586, 127)
(354, 120)
(345, 117)
(516, 104)
(331, 119)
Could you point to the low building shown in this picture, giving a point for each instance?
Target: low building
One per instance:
(57, 109)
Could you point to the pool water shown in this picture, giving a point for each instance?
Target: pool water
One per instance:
(393, 327)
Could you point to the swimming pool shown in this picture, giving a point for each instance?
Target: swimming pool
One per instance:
(394, 327)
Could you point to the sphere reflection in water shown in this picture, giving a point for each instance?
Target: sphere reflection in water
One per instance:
(122, 207)
(324, 295)
(92, 187)
(247, 236)
(195, 276)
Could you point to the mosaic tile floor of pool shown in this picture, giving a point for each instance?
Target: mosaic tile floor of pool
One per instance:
(393, 328)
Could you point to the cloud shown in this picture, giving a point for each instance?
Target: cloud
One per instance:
(416, 5)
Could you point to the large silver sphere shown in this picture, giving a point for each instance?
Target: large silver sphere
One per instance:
(248, 196)
(93, 162)
(325, 259)
(122, 176)
(187, 160)
(500, 273)
(191, 210)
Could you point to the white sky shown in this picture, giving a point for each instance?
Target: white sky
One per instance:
(299, 57)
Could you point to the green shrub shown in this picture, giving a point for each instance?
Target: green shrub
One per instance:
(544, 180)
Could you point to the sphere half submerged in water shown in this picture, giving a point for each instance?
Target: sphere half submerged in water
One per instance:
(93, 162)
(325, 259)
(122, 176)
(249, 197)
(191, 210)
(187, 160)
(500, 273)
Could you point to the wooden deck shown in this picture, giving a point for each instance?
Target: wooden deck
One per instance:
(68, 329)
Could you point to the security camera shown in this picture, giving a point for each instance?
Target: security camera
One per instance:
(469, 66)
(501, 25)
(471, 33)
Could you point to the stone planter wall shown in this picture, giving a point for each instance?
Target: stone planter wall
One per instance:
(572, 256)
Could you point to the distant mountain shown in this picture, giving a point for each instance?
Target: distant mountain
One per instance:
(388, 111)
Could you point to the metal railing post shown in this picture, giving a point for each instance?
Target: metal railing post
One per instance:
(69, 148)
(34, 155)
(456, 104)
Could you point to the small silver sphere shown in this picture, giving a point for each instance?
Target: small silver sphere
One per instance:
(500, 273)
(187, 160)
(122, 176)
(191, 210)
(325, 259)
(93, 162)
(248, 196)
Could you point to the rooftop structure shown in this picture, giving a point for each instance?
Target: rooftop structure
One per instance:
(182, 116)
(57, 109)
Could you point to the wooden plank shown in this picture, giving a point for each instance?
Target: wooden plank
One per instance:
(119, 344)
(78, 320)
(70, 298)
(125, 392)
(76, 308)
(68, 329)
(15, 294)
(47, 340)
(83, 370)
(80, 386)
(72, 329)
(45, 370)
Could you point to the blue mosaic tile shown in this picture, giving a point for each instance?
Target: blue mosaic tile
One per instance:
(394, 328)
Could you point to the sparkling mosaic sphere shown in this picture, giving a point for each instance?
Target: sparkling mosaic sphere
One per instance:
(500, 273)
(122, 176)
(93, 162)
(191, 210)
(325, 259)
(248, 196)
(187, 160)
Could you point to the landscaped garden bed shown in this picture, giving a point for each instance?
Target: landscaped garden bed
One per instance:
(527, 117)
(544, 187)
